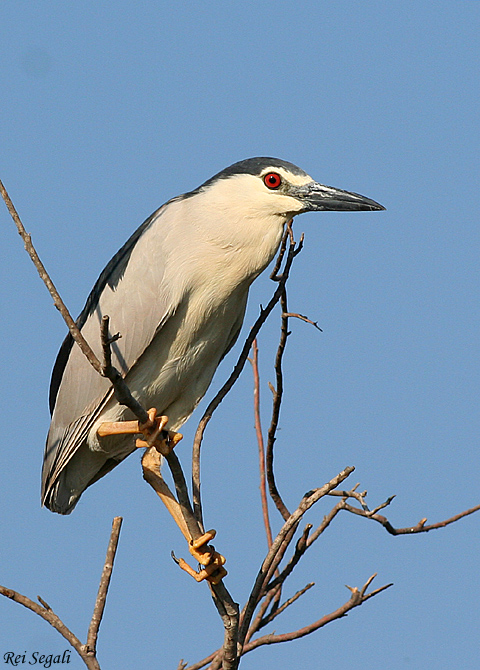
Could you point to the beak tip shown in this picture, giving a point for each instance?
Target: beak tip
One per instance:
(319, 197)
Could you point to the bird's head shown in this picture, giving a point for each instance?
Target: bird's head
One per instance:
(270, 186)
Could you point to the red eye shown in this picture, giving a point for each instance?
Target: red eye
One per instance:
(272, 180)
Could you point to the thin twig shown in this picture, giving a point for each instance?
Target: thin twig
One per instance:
(353, 493)
(270, 617)
(261, 614)
(44, 276)
(278, 558)
(327, 520)
(49, 615)
(103, 587)
(274, 276)
(293, 251)
(420, 527)
(300, 548)
(308, 500)
(358, 597)
(294, 315)
(86, 652)
(121, 390)
(277, 402)
(261, 447)
(205, 661)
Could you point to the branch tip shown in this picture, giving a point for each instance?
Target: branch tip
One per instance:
(44, 604)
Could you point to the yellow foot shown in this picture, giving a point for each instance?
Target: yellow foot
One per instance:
(213, 562)
(153, 430)
(164, 441)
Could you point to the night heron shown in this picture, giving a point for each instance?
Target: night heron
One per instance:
(177, 292)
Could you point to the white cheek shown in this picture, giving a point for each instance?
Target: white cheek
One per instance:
(288, 206)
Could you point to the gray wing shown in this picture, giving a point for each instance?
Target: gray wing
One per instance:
(132, 292)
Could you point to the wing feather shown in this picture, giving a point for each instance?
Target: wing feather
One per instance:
(132, 292)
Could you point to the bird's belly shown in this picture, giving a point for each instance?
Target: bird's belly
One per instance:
(177, 368)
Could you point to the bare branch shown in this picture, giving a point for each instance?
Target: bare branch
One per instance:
(229, 611)
(44, 276)
(272, 595)
(201, 664)
(420, 527)
(281, 254)
(122, 392)
(294, 315)
(359, 496)
(87, 652)
(261, 447)
(264, 313)
(103, 587)
(327, 520)
(287, 603)
(49, 615)
(300, 548)
(358, 597)
(308, 500)
(277, 401)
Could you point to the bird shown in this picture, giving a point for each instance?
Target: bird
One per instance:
(177, 293)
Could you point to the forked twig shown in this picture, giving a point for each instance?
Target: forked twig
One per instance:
(420, 527)
(88, 651)
(261, 581)
(358, 597)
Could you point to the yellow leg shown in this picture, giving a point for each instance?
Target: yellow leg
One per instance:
(151, 474)
(159, 441)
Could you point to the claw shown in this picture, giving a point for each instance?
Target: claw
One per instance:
(152, 430)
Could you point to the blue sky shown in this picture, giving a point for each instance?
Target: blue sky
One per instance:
(108, 110)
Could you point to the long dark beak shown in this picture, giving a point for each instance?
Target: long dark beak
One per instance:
(317, 197)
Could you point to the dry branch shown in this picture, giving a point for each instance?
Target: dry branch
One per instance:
(44, 276)
(87, 652)
(260, 583)
(277, 402)
(293, 251)
(358, 597)
(121, 390)
(103, 587)
(420, 527)
(261, 446)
